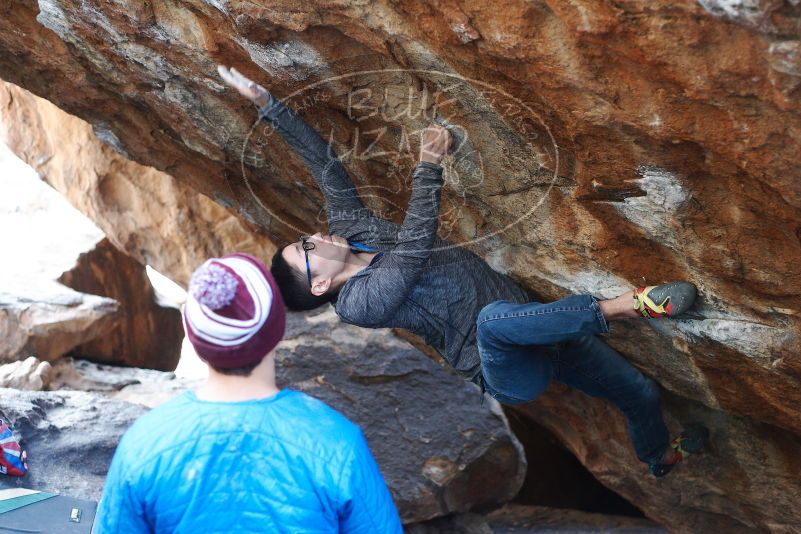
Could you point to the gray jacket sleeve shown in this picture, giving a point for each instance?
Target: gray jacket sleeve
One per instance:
(341, 198)
(372, 296)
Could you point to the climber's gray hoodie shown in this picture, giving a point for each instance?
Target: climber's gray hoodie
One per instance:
(419, 282)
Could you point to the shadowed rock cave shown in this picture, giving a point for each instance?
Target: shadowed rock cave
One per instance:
(555, 478)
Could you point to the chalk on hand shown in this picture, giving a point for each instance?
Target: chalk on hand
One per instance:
(456, 132)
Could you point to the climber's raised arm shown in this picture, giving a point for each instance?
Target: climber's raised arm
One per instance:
(341, 197)
(371, 297)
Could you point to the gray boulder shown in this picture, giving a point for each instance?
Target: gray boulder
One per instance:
(441, 446)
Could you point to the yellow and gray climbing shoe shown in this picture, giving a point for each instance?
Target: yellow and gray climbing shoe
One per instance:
(666, 300)
(692, 441)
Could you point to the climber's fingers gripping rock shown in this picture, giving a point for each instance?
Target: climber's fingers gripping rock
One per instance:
(246, 87)
(435, 143)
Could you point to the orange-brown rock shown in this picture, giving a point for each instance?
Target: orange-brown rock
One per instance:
(144, 212)
(607, 142)
(147, 333)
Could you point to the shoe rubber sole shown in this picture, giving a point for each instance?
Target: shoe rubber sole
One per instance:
(675, 297)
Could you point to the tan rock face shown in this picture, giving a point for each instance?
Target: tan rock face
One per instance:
(30, 373)
(144, 213)
(109, 313)
(47, 320)
(607, 142)
(149, 215)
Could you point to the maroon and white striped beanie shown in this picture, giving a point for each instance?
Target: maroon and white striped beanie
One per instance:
(234, 314)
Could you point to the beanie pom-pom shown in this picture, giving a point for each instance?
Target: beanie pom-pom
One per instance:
(213, 286)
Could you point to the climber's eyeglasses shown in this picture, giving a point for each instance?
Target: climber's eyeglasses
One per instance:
(307, 246)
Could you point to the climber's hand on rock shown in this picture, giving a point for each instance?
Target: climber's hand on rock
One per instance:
(246, 87)
(436, 141)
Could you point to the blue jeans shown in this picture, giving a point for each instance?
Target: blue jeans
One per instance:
(525, 346)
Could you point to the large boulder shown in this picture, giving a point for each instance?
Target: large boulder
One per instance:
(608, 142)
(147, 332)
(440, 446)
(45, 319)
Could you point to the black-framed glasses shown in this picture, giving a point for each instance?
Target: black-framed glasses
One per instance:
(307, 246)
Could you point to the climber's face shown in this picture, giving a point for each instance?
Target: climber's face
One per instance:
(327, 256)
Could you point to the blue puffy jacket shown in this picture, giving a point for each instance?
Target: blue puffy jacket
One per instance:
(287, 463)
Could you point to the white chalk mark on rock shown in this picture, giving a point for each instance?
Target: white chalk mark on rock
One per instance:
(655, 212)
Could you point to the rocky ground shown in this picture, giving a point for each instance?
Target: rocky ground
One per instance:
(517, 519)
(440, 448)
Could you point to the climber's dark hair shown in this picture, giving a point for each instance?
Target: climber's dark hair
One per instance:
(245, 370)
(294, 285)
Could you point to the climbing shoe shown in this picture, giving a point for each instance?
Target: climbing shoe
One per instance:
(666, 300)
(13, 460)
(689, 442)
